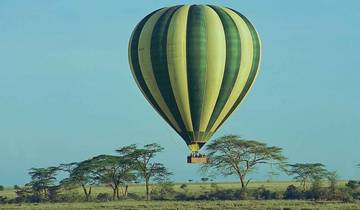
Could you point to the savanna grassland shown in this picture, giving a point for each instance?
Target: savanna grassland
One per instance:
(196, 187)
(245, 204)
(192, 188)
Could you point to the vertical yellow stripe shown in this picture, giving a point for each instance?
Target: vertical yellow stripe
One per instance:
(137, 82)
(258, 68)
(176, 58)
(146, 65)
(247, 52)
(216, 57)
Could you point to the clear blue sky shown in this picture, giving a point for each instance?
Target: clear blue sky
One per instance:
(66, 91)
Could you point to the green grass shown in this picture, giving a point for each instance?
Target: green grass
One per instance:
(272, 204)
(192, 187)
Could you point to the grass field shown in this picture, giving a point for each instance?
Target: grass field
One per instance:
(192, 188)
(247, 204)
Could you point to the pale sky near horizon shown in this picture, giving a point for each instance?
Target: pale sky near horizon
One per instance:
(67, 93)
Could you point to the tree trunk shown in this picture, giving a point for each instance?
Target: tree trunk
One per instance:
(242, 182)
(126, 190)
(114, 193)
(117, 193)
(89, 193)
(85, 191)
(147, 189)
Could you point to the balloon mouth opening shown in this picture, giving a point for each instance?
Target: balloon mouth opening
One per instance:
(196, 146)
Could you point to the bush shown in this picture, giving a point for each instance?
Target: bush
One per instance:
(135, 196)
(2, 188)
(226, 194)
(163, 191)
(70, 196)
(343, 194)
(16, 187)
(356, 195)
(352, 184)
(346, 197)
(316, 194)
(292, 192)
(262, 193)
(3, 199)
(242, 194)
(183, 187)
(316, 191)
(184, 197)
(22, 195)
(214, 186)
(104, 197)
(53, 193)
(34, 199)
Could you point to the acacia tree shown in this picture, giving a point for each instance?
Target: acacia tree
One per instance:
(305, 172)
(82, 174)
(68, 167)
(42, 180)
(333, 180)
(115, 171)
(233, 156)
(143, 160)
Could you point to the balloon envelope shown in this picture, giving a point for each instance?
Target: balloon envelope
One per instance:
(194, 64)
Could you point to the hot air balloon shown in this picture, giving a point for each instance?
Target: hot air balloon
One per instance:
(194, 64)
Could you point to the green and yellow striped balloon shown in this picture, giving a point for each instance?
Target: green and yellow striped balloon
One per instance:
(194, 64)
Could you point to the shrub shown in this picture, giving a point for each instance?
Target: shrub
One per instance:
(135, 196)
(356, 195)
(184, 197)
(22, 194)
(183, 187)
(53, 193)
(262, 193)
(163, 191)
(70, 196)
(214, 186)
(16, 187)
(292, 192)
(2, 188)
(352, 184)
(346, 197)
(3, 199)
(242, 194)
(344, 194)
(220, 194)
(103, 197)
(34, 199)
(316, 192)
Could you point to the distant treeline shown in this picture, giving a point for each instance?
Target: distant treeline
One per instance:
(228, 156)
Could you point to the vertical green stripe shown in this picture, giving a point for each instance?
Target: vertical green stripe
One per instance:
(232, 64)
(159, 63)
(196, 62)
(136, 66)
(254, 67)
